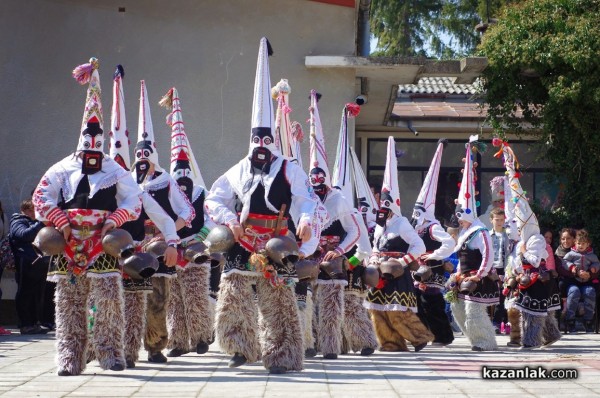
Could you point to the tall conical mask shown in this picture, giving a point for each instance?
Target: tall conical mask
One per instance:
(145, 149)
(91, 138)
(119, 135)
(262, 139)
(466, 203)
(319, 175)
(424, 209)
(390, 192)
(180, 142)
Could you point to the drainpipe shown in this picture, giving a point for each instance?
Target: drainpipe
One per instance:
(364, 31)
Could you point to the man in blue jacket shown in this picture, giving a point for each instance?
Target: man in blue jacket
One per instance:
(31, 269)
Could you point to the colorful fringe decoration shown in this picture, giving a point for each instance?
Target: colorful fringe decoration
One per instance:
(167, 100)
(352, 109)
(83, 73)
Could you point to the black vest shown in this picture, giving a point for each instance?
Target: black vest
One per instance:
(431, 244)
(279, 194)
(198, 221)
(335, 229)
(396, 244)
(104, 199)
(470, 259)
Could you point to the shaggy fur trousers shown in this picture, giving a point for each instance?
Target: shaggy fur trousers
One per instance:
(72, 322)
(156, 336)
(394, 328)
(280, 342)
(475, 323)
(189, 320)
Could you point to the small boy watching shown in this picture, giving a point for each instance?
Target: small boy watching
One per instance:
(583, 265)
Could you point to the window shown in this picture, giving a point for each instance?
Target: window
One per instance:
(415, 158)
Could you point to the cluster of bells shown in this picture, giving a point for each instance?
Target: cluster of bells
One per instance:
(140, 265)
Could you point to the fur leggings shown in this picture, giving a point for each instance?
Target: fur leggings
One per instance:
(188, 310)
(71, 322)
(236, 322)
(394, 328)
(306, 322)
(330, 299)
(532, 328)
(475, 323)
(514, 317)
(156, 336)
(357, 327)
(135, 324)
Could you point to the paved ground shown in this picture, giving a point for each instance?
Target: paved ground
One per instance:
(27, 370)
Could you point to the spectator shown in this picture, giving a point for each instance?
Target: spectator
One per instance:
(583, 264)
(3, 235)
(548, 237)
(31, 269)
(502, 248)
(567, 241)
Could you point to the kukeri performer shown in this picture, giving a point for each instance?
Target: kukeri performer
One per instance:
(473, 286)
(142, 265)
(439, 245)
(190, 314)
(85, 196)
(391, 300)
(529, 265)
(166, 192)
(358, 334)
(270, 189)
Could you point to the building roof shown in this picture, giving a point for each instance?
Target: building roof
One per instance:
(438, 85)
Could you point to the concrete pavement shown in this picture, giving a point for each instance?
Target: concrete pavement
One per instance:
(27, 369)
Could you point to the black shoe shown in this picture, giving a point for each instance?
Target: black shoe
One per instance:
(549, 343)
(64, 372)
(419, 347)
(156, 357)
(237, 360)
(571, 327)
(277, 370)
(201, 348)
(330, 356)
(475, 348)
(310, 353)
(513, 344)
(366, 352)
(130, 363)
(33, 330)
(117, 367)
(589, 327)
(176, 352)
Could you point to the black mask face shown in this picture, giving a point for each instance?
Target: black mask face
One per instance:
(142, 167)
(320, 190)
(382, 216)
(92, 161)
(187, 186)
(260, 158)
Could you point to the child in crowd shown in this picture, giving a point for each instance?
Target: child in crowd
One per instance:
(583, 265)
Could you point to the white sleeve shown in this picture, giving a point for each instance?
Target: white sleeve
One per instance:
(351, 227)
(180, 203)
(416, 247)
(45, 200)
(220, 202)
(448, 243)
(483, 242)
(304, 206)
(129, 201)
(536, 250)
(160, 218)
(363, 246)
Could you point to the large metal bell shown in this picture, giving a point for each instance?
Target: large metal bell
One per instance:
(282, 250)
(49, 242)
(118, 243)
(220, 239)
(196, 253)
(140, 266)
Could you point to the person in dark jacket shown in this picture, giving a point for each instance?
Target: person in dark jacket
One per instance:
(31, 270)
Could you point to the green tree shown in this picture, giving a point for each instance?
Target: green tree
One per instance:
(544, 63)
(431, 28)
